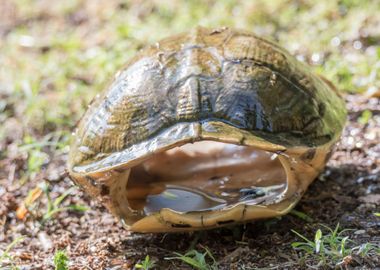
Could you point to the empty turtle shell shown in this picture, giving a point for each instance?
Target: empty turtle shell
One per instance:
(205, 129)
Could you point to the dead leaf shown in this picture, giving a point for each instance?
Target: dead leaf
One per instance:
(33, 195)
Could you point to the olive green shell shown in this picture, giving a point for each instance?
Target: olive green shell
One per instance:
(219, 75)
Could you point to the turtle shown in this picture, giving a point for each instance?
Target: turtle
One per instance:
(204, 129)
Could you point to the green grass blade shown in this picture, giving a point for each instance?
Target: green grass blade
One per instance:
(303, 237)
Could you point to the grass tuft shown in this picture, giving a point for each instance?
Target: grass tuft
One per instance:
(61, 260)
(6, 259)
(333, 247)
(32, 204)
(146, 264)
(197, 260)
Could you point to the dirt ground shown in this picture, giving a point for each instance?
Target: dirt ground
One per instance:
(346, 193)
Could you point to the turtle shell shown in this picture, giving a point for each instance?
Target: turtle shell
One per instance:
(220, 85)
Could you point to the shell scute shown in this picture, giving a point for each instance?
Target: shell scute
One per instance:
(226, 75)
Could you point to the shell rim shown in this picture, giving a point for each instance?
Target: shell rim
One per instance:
(182, 133)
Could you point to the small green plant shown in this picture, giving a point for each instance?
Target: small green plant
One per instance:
(365, 249)
(54, 206)
(197, 259)
(5, 256)
(332, 247)
(365, 117)
(146, 264)
(32, 204)
(61, 260)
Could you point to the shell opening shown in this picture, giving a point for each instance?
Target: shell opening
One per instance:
(203, 176)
